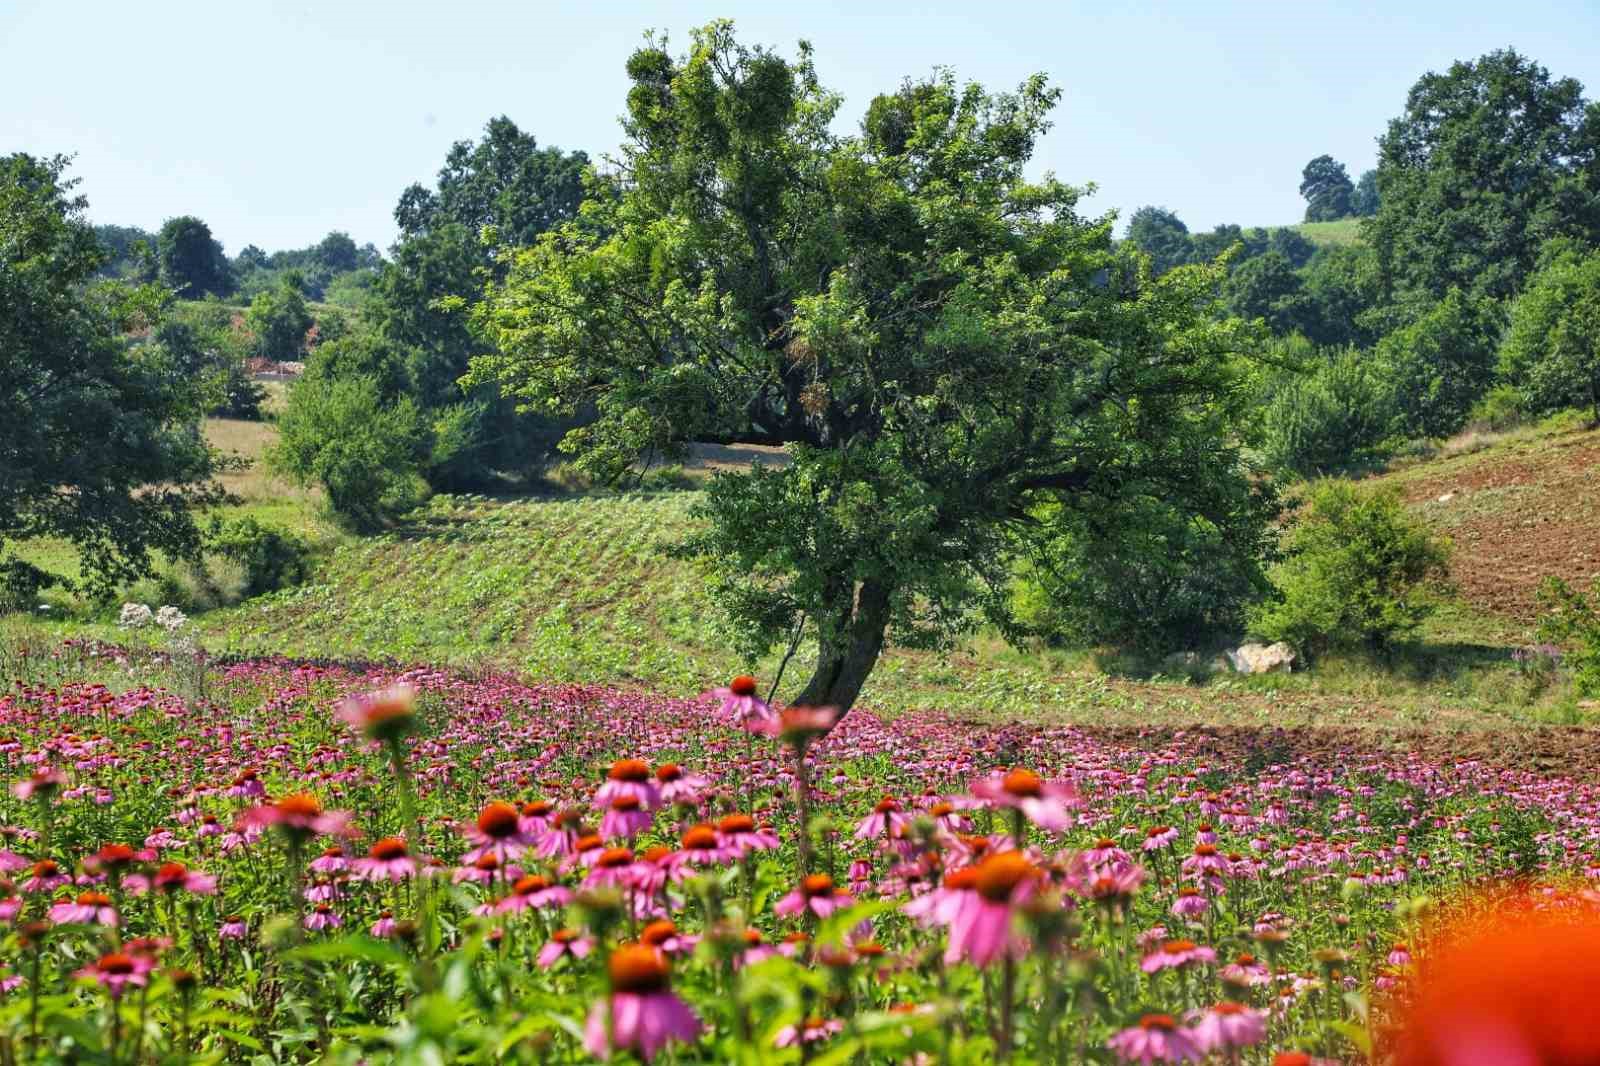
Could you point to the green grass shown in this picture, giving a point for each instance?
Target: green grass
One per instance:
(1343, 232)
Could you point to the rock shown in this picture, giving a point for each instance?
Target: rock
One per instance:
(1262, 658)
(1447, 497)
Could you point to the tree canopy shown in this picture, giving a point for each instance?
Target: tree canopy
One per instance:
(191, 260)
(1327, 189)
(101, 444)
(960, 365)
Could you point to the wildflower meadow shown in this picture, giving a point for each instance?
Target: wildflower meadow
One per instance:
(330, 864)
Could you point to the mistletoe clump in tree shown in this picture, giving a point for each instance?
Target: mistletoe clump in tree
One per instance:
(961, 367)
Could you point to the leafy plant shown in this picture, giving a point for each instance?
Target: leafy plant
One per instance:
(1336, 417)
(271, 558)
(1572, 620)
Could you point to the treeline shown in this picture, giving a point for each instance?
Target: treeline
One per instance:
(1473, 296)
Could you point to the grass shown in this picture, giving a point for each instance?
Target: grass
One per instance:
(582, 588)
(1344, 231)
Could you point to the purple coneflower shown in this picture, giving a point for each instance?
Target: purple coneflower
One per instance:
(741, 705)
(808, 1032)
(44, 876)
(1175, 955)
(629, 777)
(387, 860)
(885, 818)
(497, 831)
(1227, 1027)
(1046, 803)
(641, 1014)
(815, 894)
(90, 908)
(740, 835)
(534, 891)
(981, 930)
(564, 944)
(1156, 1038)
(625, 818)
(119, 969)
(678, 786)
(323, 916)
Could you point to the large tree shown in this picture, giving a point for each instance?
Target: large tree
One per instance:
(1488, 160)
(191, 260)
(960, 365)
(1160, 234)
(1327, 189)
(101, 444)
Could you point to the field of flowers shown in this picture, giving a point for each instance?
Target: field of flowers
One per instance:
(310, 863)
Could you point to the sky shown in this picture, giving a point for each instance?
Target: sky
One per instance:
(277, 122)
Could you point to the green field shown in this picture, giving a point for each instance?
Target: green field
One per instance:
(1342, 232)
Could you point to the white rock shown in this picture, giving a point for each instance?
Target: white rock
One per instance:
(1262, 658)
(1447, 497)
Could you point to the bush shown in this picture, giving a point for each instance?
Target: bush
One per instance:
(1572, 619)
(1440, 364)
(1500, 409)
(1355, 568)
(1552, 350)
(271, 558)
(1335, 418)
(365, 453)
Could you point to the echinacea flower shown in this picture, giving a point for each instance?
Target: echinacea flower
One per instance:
(680, 786)
(740, 835)
(41, 784)
(1175, 955)
(90, 908)
(387, 860)
(45, 875)
(564, 944)
(663, 935)
(384, 716)
(629, 777)
(885, 818)
(809, 1031)
(1157, 1038)
(299, 817)
(700, 846)
(533, 891)
(741, 706)
(641, 1014)
(625, 818)
(816, 895)
(323, 916)
(1046, 804)
(119, 969)
(981, 930)
(232, 928)
(799, 726)
(1227, 1027)
(497, 831)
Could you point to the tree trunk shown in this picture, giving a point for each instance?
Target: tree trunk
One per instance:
(848, 650)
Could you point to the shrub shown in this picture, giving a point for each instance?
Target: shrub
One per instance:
(1572, 619)
(271, 558)
(1355, 568)
(1552, 350)
(1440, 364)
(1500, 409)
(1334, 418)
(365, 453)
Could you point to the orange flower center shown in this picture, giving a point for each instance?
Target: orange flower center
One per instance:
(536, 809)
(116, 963)
(942, 810)
(1227, 1008)
(700, 838)
(638, 968)
(1205, 849)
(629, 770)
(388, 849)
(817, 885)
(1000, 874)
(529, 884)
(668, 771)
(301, 804)
(743, 685)
(498, 820)
(1178, 947)
(1158, 1021)
(886, 805)
(612, 858)
(626, 802)
(737, 823)
(1022, 783)
(657, 933)
(588, 843)
(1103, 843)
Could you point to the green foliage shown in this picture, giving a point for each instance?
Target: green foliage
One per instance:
(212, 356)
(1364, 200)
(1268, 288)
(942, 345)
(271, 558)
(1326, 187)
(1335, 415)
(1498, 410)
(130, 253)
(1552, 350)
(1162, 236)
(91, 420)
(280, 321)
(1355, 569)
(1572, 620)
(1488, 160)
(333, 267)
(1441, 364)
(190, 260)
(366, 453)
(1340, 286)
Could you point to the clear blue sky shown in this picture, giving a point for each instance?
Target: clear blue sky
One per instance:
(279, 121)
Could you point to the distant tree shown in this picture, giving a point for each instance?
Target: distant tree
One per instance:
(337, 253)
(1552, 349)
(1162, 236)
(1205, 247)
(280, 320)
(130, 252)
(1489, 160)
(1268, 288)
(250, 258)
(946, 347)
(1441, 363)
(101, 444)
(1326, 187)
(504, 180)
(1364, 201)
(1341, 287)
(191, 260)
(1292, 245)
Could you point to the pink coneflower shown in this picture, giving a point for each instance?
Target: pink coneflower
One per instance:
(43, 784)
(1106, 852)
(740, 835)
(566, 829)
(535, 891)
(1176, 954)
(11, 862)
(564, 944)
(90, 908)
(385, 926)
(232, 928)
(615, 868)
(1205, 834)
(385, 716)
(387, 860)
(1227, 1027)
(799, 726)
(246, 785)
(808, 1032)
(536, 817)
(947, 817)
(815, 894)
(1156, 1038)
(1191, 903)
(497, 831)
(940, 906)
(700, 847)
(1158, 837)
(1245, 971)
(885, 818)
(9, 982)
(1205, 863)
(1045, 803)
(323, 916)
(741, 706)
(755, 948)
(1399, 955)
(625, 818)
(663, 935)
(45, 875)
(479, 871)
(173, 877)
(1114, 886)
(119, 969)
(981, 930)
(331, 861)
(298, 817)
(642, 1014)
(678, 786)
(629, 777)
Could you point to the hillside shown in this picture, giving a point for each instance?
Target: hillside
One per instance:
(1342, 232)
